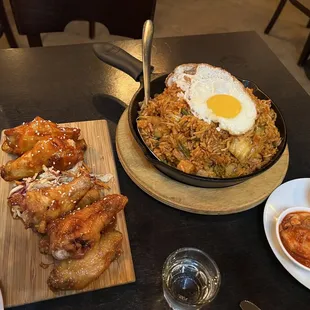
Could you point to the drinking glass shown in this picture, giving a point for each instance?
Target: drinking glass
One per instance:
(191, 279)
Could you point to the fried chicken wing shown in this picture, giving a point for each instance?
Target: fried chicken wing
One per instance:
(44, 243)
(76, 233)
(61, 154)
(40, 206)
(23, 138)
(75, 274)
(94, 194)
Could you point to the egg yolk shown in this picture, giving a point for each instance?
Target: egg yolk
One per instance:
(224, 105)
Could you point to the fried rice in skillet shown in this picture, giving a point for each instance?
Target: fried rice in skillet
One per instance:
(181, 140)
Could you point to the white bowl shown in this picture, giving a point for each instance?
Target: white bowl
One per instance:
(279, 221)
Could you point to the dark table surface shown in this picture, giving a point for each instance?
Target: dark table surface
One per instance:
(68, 83)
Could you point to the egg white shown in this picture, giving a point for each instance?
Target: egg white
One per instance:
(200, 82)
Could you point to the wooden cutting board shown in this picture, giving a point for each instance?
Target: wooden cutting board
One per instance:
(22, 280)
(211, 201)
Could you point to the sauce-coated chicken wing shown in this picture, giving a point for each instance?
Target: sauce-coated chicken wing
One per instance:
(94, 194)
(76, 233)
(40, 206)
(23, 138)
(61, 154)
(75, 274)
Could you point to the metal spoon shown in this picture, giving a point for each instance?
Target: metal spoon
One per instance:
(147, 38)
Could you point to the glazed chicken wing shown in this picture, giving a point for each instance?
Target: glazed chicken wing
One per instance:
(76, 233)
(94, 194)
(40, 206)
(61, 154)
(44, 244)
(75, 274)
(23, 138)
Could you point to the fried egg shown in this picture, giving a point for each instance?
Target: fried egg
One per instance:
(214, 95)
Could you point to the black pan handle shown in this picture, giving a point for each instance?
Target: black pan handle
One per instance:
(118, 58)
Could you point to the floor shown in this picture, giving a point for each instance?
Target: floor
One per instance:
(186, 17)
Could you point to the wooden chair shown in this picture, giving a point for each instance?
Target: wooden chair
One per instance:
(306, 50)
(121, 17)
(5, 27)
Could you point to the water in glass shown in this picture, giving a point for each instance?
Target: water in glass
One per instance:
(190, 279)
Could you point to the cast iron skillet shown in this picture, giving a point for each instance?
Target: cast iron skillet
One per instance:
(120, 59)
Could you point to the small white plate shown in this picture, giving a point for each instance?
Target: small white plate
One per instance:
(295, 193)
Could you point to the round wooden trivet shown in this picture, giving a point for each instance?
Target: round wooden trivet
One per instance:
(188, 198)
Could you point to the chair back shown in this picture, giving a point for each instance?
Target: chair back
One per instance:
(121, 17)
